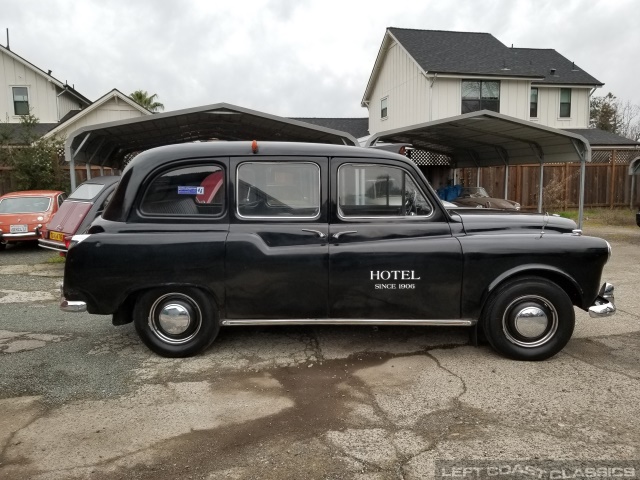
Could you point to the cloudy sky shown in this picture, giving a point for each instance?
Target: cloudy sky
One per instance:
(306, 58)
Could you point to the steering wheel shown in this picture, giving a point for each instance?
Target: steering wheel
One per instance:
(410, 202)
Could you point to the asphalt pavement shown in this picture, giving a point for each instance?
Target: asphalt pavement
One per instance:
(80, 398)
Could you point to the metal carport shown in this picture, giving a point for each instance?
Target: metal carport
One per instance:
(107, 144)
(485, 139)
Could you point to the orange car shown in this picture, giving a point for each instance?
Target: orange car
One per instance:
(23, 214)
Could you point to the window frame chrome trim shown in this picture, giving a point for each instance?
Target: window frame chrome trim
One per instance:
(341, 215)
(276, 162)
(203, 216)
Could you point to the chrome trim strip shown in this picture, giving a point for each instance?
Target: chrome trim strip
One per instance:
(20, 235)
(462, 322)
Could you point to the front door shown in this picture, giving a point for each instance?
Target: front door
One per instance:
(391, 254)
(277, 257)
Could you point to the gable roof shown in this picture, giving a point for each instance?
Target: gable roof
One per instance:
(358, 127)
(599, 137)
(70, 119)
(64, 86)
(481, 54)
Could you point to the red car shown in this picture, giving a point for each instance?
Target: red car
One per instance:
(24, 214)
(77, 212)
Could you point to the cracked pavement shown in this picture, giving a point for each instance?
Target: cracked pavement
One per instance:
(80, 398)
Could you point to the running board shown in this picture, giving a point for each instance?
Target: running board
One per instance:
(351, 321)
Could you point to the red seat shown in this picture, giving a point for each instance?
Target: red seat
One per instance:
(211, 184)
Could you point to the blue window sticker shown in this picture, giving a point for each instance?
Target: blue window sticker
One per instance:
(190, 190)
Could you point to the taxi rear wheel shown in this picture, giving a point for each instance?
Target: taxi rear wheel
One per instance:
(529, 319)
(176, 322)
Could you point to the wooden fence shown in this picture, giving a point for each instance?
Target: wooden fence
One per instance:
(607, 183)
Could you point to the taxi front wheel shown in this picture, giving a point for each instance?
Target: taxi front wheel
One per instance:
(529, 318)
(176, 322)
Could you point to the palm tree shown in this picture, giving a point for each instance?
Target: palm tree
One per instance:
(141, 97)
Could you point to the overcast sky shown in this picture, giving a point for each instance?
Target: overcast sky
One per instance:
(303, 58)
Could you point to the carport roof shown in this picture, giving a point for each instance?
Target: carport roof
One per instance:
(107, 144)
(486, 138)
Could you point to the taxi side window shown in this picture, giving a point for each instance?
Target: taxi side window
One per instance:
(379, 191)
(278, 189)
(195, 190)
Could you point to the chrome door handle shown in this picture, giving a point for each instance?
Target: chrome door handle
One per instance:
(320, 234)
(346, 232)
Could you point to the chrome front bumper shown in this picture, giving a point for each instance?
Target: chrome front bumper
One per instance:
(71, 306)
(604, 304)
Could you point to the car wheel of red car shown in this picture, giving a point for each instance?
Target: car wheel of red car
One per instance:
(177, 321)
(529, 319)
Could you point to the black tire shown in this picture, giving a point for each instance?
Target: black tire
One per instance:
(529, 318)
(3, 246)
(189, 326)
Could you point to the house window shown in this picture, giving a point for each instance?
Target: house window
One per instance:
(565, 102)
(533, 103)
(383, 107)
(20, 101)
(480, 95)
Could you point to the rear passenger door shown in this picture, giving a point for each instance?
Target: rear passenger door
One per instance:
(392, 254)
(277, 250)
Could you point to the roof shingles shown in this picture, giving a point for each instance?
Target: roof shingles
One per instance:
(472, 53)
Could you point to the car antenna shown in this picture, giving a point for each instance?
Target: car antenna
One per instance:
(545, 222)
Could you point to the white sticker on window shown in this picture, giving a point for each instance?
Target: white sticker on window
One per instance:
(190, 190)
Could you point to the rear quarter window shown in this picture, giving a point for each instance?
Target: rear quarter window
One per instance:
(186, 191)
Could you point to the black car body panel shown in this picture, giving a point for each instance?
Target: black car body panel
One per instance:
(316, 251)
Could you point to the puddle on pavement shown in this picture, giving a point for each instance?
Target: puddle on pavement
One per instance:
(293, 443)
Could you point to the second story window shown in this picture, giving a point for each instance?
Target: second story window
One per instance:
(533, 103)
(480, 95)
(565, 102)
(20, 101)
(383, 107)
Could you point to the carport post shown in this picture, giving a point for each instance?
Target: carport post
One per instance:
(72, 163)
(87, 166)
(540, 189)
(585, 156)
(505, 158)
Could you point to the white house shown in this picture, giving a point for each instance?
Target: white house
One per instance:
(60, 108)
(425, 75)
(27, 89)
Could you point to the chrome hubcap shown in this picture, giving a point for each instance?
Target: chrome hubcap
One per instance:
(174, 318)
(530, 321)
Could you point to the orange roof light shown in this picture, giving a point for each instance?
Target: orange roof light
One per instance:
(254, 146)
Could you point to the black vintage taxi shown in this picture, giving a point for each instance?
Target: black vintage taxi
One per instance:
(204, 235)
